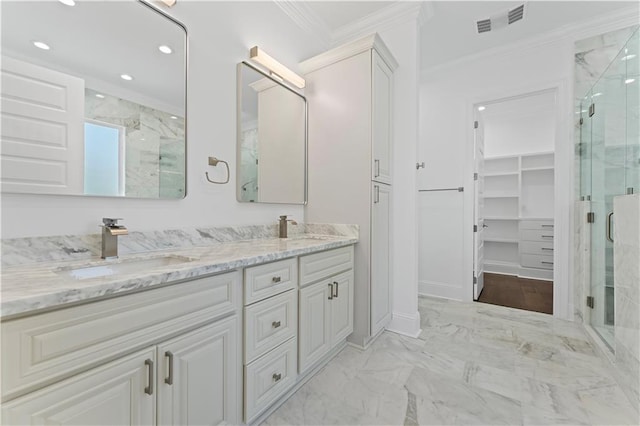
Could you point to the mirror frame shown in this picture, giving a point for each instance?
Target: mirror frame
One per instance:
(239, 133)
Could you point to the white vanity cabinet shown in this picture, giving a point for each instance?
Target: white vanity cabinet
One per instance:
(115, 362)
(326, 305)
(350, 142)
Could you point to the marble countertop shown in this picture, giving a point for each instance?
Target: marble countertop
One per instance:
(27, 289)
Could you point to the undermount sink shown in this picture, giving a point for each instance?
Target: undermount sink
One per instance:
(120, 267)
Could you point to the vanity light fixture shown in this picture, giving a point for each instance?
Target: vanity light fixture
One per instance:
(68, 2)
(126, 77)
(481, 108)
(169, 3)
(165, 49)
(276, 68)
(41, 45)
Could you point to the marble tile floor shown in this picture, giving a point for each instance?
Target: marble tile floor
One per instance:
(473, 364)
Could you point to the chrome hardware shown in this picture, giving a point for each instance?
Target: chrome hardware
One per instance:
(609, 234)
(376, 196)
(592, 110)
(277, 377)
(336, 293)
(377, 168)
(276, 279)
(275, 324)
(630, 191)
(590, 301)
(546, 248)
(546, 263)
(459, 189)
(282, 223)
(169, 379)
(330, 291)
(591, 217)
(149, 389)
(546, 236)
(213, 161)
(547, 226)
(110, 232)
(419, 165)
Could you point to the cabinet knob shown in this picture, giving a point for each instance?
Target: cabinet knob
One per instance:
(277, 377)
(276, 279)
(275, 324)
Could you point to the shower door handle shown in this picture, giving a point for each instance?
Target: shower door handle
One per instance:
(609, 234)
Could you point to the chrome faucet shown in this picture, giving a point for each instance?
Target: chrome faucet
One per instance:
(283, 225)
(110, 232)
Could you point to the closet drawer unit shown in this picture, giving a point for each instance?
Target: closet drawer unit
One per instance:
(268, 378)
(41, 349)
(317, 266)
(267, 280)
(536, 235)
(537, 247)
(270, 323)
(536, 261)
(537, 224)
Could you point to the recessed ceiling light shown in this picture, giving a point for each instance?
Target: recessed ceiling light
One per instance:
(165, 49)
(174, 117)
(98, 95)
(629, 80)
(626, 58)
(126, 77)
(41, 45)
(481, 108)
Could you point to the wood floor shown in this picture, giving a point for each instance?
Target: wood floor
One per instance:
(520, 293)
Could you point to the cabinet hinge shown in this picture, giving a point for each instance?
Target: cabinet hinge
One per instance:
(590, 301)
(475, 124)
(591, 217)
(475, 228)
(581, 121)
(475, 176)
(475, 279)
(592, 110)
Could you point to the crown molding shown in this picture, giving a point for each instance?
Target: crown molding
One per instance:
(303, 16)
(371, 41)
(618, 19)
(391, 16)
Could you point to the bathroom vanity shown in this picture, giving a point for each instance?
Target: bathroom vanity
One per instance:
(205, 335)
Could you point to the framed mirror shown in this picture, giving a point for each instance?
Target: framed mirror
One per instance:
(272, 139)
(93, 99)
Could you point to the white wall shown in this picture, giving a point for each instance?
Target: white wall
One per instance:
(447, 95)
(220, 34)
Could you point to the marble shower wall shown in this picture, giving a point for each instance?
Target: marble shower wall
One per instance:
(155, 145)
(626, 255)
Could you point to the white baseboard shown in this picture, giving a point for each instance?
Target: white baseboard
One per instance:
(441, 290)
(407, 325)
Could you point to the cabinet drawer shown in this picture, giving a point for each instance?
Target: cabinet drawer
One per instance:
(317, 266)
(43, 348)
(264, 281)
(537, 224)
(537, 247)
(268, 378)
(536, 261)
(269, 323)
(536, 235)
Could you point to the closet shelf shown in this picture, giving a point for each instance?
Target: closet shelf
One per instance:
(501, 218)
(501, 240)
(501, 174)
(537, 169)
(501, 196)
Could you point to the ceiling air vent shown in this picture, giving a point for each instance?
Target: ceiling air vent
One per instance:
(484, 26)
(516, 14)
(500, 20)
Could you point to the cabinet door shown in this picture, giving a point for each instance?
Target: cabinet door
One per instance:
(198, 376)
(381, 294)
(315, 323)
(118, 393)
(381, 119)
(342, 307)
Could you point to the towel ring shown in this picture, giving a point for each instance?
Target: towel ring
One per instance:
(213, 161)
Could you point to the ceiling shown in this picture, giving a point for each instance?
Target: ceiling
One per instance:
(450, 31)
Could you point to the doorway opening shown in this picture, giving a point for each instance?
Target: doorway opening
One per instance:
(514, 157)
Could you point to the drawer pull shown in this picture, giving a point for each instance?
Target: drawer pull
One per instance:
(546, 248)
(277, 377)
(336, 293)
(547, 226)
(149, 389)
(546, 263)
(547, 236)
(276, 279)
(275, 324)
(330, 291)
(169, 379)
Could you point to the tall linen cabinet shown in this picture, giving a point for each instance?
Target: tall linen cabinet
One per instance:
(350, 98)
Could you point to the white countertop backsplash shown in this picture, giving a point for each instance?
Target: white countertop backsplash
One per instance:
(31, 280)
